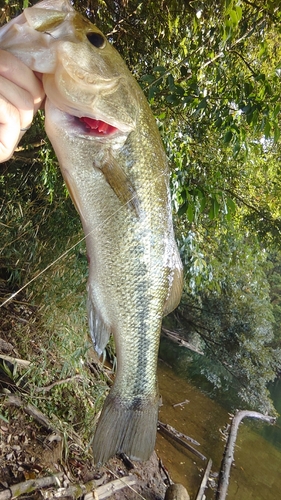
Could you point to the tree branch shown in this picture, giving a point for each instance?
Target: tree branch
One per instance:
(228, 456)
(244, 61)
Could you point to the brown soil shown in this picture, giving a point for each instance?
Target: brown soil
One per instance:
(28, 452)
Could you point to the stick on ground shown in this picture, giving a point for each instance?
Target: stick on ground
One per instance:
(73, 491)
(169, 431)
(204, 481)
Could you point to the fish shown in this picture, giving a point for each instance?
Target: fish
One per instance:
(114, 164)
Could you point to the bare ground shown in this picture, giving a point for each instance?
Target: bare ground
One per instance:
(28, 452)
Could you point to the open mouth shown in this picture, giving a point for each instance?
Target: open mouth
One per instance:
(98, 127)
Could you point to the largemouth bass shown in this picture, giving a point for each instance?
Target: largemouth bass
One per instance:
(113, 162)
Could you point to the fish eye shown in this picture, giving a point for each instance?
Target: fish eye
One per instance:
(96, 39)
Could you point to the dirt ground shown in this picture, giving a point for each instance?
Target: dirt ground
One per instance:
(28, 452)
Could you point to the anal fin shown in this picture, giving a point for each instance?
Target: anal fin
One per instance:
(99, 331)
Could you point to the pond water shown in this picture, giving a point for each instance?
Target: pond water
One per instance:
(257, 471)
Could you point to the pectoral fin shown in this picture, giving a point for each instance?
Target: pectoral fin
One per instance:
(121, 185)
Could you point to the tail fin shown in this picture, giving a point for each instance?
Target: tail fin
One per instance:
(128, 428)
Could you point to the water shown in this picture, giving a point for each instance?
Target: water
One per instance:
(256, 474)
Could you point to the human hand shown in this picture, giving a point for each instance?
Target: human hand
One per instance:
(21, 95)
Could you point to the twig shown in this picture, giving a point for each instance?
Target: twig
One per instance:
(174, 435)
(74, 491)
(229, 448)
(245, 62)
(15, 361)
(165, 471)
(177, 433)
(108, 489)
(88, 490)
(58, 382)
(175, 337)
(13, 400)
(186, 401)
(200, 494)
(31, 485)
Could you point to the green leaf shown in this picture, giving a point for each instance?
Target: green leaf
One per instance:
(182, 210)
(179, 90)
(214, 210)
(4, 418)
(159, 69)
(202, 104)
(267, 129)
(148, 78)
(233, 17)
(171, 82)
(276, 132)
(276, 110)
(231, 206)
(248, 88)
(190, 213)
(152, 91)
(218, 122)
(203, 202)
(239, 12)
(188, 99)
(227, 137)
(172, 99)
(236, 148)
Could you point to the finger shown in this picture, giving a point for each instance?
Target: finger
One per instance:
(9, 129)
(18, 73)
(18, 98)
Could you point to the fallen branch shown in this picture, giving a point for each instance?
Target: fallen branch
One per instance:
(228, 455)
(15, 361)
(31, 485)
(74, 491)
(186, 401)
(58, 382)
(108, 489)
(169, 431)
(200, 494)
(39, 417)
(13, 400)
(175, 337)
(174, 432)
(165, 471)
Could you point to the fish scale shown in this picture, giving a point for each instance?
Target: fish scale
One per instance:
(115, 168)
